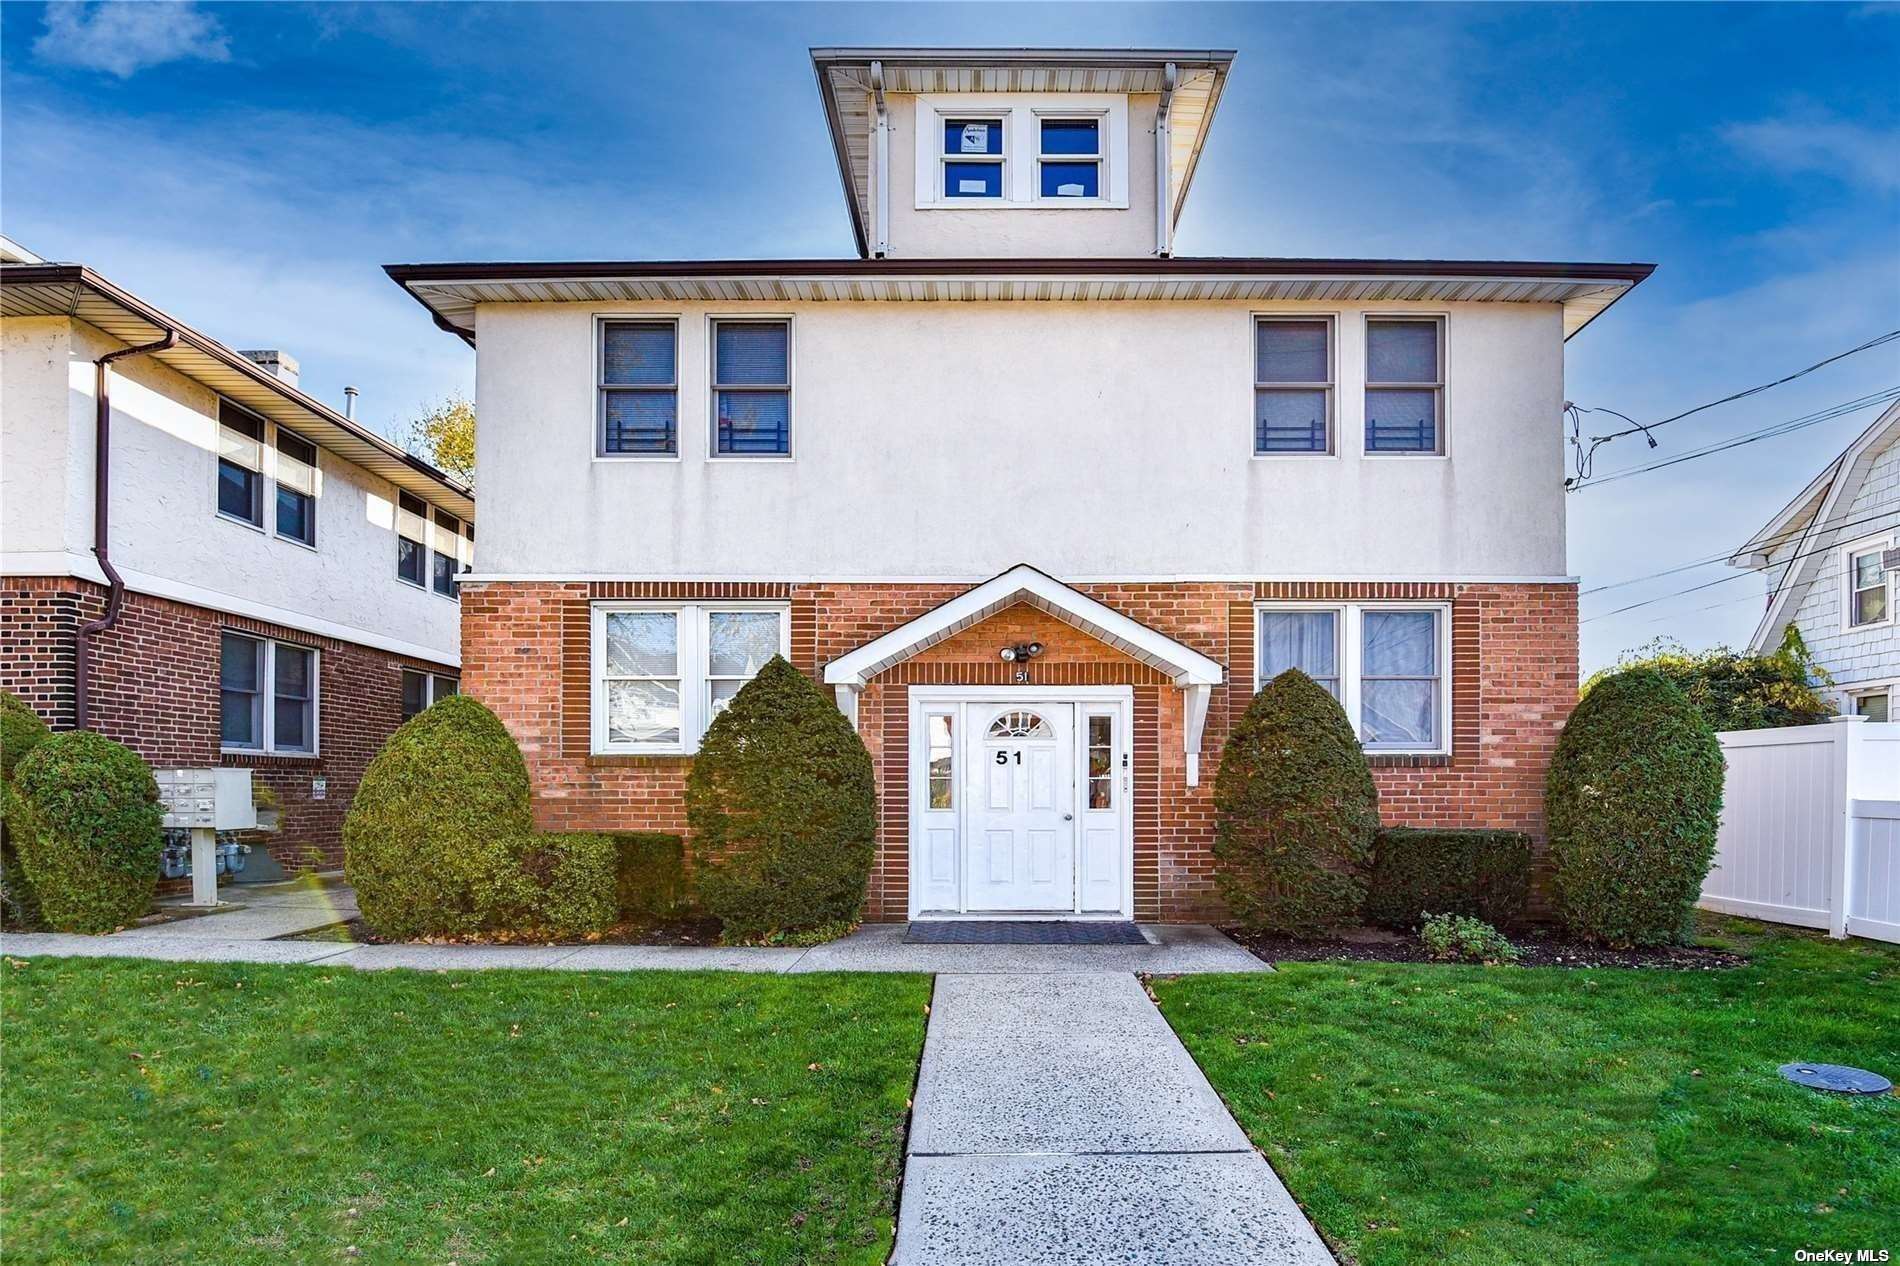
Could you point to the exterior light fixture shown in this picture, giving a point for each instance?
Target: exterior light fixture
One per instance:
(1021, 652)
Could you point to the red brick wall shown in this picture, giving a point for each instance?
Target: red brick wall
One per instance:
(1514, 679)
(155, 689)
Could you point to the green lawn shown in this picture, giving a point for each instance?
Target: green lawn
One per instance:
(154, 1112)
(1467, 1114)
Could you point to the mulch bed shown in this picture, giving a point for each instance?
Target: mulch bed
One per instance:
(1536, 949)
(687, 930)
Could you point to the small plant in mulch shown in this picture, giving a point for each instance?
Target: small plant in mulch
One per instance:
(1538, 947)
(1459, 938)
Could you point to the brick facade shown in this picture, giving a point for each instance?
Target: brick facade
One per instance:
(155, 689)
(1513, 679)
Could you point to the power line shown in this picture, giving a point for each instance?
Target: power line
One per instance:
(1773, 431)
(1585, 455)
(1773, 542)
(1709, 584)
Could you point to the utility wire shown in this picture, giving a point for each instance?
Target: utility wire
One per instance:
(1774, 431)
(1767, 543)
(1709, 584)
(1586, 454)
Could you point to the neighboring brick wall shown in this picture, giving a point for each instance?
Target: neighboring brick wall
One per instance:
(1514, 680)
(155, 689)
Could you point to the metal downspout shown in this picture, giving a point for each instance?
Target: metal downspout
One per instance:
(1164, 146)
(101, 522)
(881, 212)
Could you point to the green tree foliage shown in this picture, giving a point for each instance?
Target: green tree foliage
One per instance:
(89, 833)
(1419, 870)
(1295, 812)
(782, 809)
(445, 436)
(21, 730)
(439, 840)
(1633, 800)
(1734, 691)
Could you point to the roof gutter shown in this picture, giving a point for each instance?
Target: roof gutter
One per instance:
(1164, 227)
(102, 522)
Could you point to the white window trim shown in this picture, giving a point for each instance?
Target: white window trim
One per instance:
(1022, 144)
(1867, 544)
(713, 321)
(1001, 160)
(267, 449)
(1102, 165)
(1853, 694)
(316, 494)
(695, 714)
(598, 441)
(1367, 386)
(1350, 629)
(1333, 446)
(269, 689)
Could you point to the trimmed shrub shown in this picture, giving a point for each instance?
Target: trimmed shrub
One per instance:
(1733, 691)
(782, 809)
(1295, 812)
(576, 875)
(649, 873)
(439, 833)
(21, 730)
(1634, 795)
(1485, 874)
(88, 831)
(1456, 938)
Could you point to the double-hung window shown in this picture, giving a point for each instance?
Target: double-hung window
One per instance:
(1069, 158)
(752, 388)
(972, 158)
(1292, 385)
(639, 389)
(296, 488)
(412, 534)
(267, 696)
(446, 561)
(240, 464)
(1388, 665)
(662, 673)
(1405, 385)
(420, 690)
(1869, 596)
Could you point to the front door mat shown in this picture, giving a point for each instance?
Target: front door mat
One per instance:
(1022, 932)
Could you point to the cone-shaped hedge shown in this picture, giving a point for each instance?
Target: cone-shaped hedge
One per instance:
(783, 810)
(1634, 796)
(88, 831)
(438, 838)
(21, 730)
(1295, 812)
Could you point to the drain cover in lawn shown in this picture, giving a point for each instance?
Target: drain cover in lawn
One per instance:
(1012, 932)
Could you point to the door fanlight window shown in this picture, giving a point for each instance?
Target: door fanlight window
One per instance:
(1020, 724)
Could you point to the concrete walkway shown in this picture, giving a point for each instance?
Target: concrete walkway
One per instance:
(243, 936)
(1059, 1120)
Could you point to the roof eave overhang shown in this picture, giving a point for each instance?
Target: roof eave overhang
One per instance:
(248, 383)
(1182, 664)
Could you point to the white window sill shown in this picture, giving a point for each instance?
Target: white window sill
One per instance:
(258, 751)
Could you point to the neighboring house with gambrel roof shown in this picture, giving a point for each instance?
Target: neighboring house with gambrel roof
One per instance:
(1831, 557)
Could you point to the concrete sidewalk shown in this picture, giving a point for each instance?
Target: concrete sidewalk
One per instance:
(1059, 1120)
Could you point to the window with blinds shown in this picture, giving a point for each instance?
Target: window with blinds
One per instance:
(752, 388)
(639, 389)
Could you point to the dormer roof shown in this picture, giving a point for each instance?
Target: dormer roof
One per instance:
(845, 85)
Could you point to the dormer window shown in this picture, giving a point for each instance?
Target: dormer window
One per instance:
(973, 158)
(1069, 158)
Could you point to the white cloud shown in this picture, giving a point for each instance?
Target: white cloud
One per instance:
(122, 38)
(1807, 142)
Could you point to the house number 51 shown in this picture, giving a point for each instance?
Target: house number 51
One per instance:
(1002, 756)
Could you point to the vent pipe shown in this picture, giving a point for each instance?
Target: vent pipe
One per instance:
(349, 403)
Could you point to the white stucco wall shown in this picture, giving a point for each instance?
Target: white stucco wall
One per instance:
(166, 535)
(1853, 657)
(956, 439)
(1002, 231)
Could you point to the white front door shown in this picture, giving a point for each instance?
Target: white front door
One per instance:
(1020, 852)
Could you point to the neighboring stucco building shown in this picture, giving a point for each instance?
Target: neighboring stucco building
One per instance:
(289, 577)
(1019, 423)
(1831, 556)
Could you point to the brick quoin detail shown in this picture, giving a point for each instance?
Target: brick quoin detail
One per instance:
(155, 684)
(1513, 681)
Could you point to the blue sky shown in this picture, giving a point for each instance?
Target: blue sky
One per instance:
(250, 167)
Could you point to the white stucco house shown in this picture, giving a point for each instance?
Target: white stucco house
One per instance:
(200, 560)
(1040, 498)
(1831, 557)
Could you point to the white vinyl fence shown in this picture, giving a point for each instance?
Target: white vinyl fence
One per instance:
(1811, 828)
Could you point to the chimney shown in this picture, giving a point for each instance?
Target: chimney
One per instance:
(349, 403)
(279, 365)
